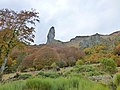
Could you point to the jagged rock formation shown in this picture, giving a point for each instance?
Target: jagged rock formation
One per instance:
(85, 41)
(88, 41)
(51, 35)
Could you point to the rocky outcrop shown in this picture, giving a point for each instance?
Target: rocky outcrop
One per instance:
(93, 40)
(85, 41)
(51, 35)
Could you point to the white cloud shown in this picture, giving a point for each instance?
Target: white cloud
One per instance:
(71, 17)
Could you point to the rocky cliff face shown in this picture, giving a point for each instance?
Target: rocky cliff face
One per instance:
(51, 35)
(86, 41)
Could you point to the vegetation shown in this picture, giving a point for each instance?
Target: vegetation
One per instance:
(15, 31)
(108, 65)
(58, 67)
(61, 83)
(117, 79)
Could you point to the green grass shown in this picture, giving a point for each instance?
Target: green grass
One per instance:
(15, 85)
(61, 83)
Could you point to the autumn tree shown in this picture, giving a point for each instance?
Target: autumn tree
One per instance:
(70, 55)
(15, 28)
(45, 56)
(27, 62)
(117, 50)
(93, 54)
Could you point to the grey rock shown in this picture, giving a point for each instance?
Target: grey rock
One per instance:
(51, 35)
(92, 40)
(84, 41)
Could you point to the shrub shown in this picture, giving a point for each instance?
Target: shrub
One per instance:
(45, 57)
(61, 63)
(118, 88)
(79, 62)
(117, 79)
(70, 55)
(28, 61)
(50, 74)
(108, 65)
(24, 76)
(117, 49)
(87, 70)
(54, 65)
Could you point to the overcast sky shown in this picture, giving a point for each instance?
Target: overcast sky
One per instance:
(71, 17)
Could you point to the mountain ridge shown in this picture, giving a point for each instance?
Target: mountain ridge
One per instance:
(87, 41)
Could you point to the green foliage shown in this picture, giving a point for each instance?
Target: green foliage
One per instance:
(108, 65)
(18, 59)
(38, 84)
(117, 79)
(87, 70)
(71, 83)
(118, 88)
(16, 85)
(50, 74)
(79, 62)
(24, 76)
(61, 63)
(54, 65)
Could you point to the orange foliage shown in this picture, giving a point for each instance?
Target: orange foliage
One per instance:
(94, 58)
(70, 54)
(28, 61)
(45, 56)
(14, 53)
(117, 49)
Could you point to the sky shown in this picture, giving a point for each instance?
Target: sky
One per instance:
(70, 17)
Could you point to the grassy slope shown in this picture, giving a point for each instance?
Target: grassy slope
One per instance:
(61, 83)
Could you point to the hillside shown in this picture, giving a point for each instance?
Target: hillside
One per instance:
(87, 41)
(95, 59)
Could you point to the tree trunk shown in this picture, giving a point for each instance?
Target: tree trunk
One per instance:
(3, 66)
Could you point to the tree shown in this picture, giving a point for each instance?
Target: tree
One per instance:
(15, 30)
(45, 56)
(70, 55)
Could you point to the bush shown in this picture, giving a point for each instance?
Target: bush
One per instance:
(79, 62)
(28, 61)
(117, 49)
(24, 76)
(50, 74)
(108, 65)
(87, 70)
(45, 57)
(61, 63)
(54, 65)
(117, 79)
(70, 55)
